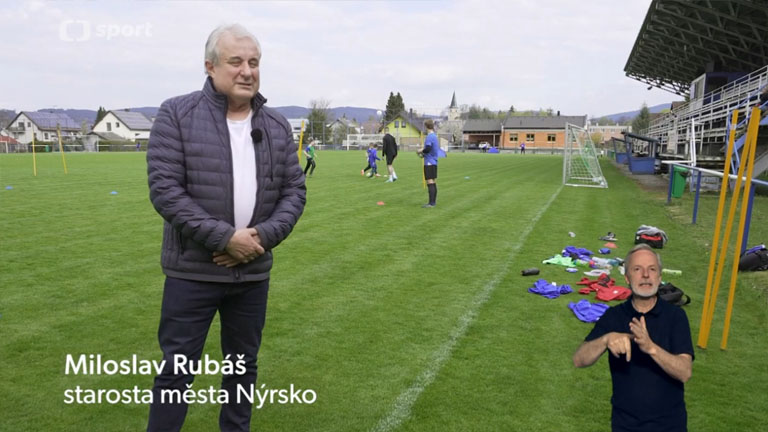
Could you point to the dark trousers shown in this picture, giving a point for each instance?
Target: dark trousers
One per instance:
(187, 311)
(310, 163)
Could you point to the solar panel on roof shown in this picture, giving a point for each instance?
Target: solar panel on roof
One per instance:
(47, 120)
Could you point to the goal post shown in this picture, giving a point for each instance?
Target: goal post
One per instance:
(580, 164)
(361, 141)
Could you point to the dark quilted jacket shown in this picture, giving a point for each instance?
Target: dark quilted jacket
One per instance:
(189, 164)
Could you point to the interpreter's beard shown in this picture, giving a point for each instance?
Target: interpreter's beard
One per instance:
(644, 290)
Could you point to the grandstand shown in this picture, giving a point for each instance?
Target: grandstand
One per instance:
(716, 54)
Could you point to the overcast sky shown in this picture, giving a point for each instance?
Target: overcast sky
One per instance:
(564, 54)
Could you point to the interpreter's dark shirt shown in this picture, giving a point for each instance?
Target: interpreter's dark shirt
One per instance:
(645, 398)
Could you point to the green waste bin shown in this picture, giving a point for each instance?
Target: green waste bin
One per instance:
(679, 181)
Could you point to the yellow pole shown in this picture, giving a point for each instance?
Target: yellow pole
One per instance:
(301, 139)
(423, 178)
(724, 247)
(34, 156)
(61, 148)
(702, 341)
(751, 143)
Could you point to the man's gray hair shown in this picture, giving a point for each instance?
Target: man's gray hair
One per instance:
(236, 30)
(639, 247)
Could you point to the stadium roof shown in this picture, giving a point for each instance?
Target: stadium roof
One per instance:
(682, 39)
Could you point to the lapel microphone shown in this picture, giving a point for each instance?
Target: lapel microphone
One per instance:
(256, 136)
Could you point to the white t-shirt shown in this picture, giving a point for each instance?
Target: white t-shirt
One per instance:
(243, 169)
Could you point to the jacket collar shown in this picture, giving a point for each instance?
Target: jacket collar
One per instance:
(219, 100)
(630, 308)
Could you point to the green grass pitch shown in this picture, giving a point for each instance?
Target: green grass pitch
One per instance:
(399, 318)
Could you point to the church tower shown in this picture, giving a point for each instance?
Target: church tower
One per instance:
(453, 110)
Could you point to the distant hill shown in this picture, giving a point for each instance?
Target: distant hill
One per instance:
(292, 111)
(359, 114)
(6, 116)
(620, 117)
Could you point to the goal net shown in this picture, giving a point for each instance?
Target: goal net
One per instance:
(580, 165)
(361, 141)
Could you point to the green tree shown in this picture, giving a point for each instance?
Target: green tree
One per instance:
(597, 138)
(100, 114)
(395, 106)
(603, 121)
(642, 121)
(478, 112)
(317, 121)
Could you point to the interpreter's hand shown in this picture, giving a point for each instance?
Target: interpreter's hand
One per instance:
(618, 344)
(641, 336)
(245, 245)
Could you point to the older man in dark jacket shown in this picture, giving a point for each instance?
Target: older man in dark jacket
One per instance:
(224, 174)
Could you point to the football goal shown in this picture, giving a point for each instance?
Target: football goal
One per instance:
(361, 141)
(580, 165)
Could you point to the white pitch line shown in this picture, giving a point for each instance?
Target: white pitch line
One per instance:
(401, 409)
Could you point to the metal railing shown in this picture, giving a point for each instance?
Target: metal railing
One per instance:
(709, 115)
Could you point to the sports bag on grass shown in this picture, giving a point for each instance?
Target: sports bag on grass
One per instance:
(654, 241)
(651, 236)
(672, 294)
(755, 259)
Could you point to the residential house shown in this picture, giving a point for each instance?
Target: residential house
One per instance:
(129, 125)
(606, 133)
(346, 125)
(546, 132)
(92, 141)
(477, 131)
(42, 127)
(296, 124)
(370, 126)
(8, 144)
(407, 129)
(341, 127)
